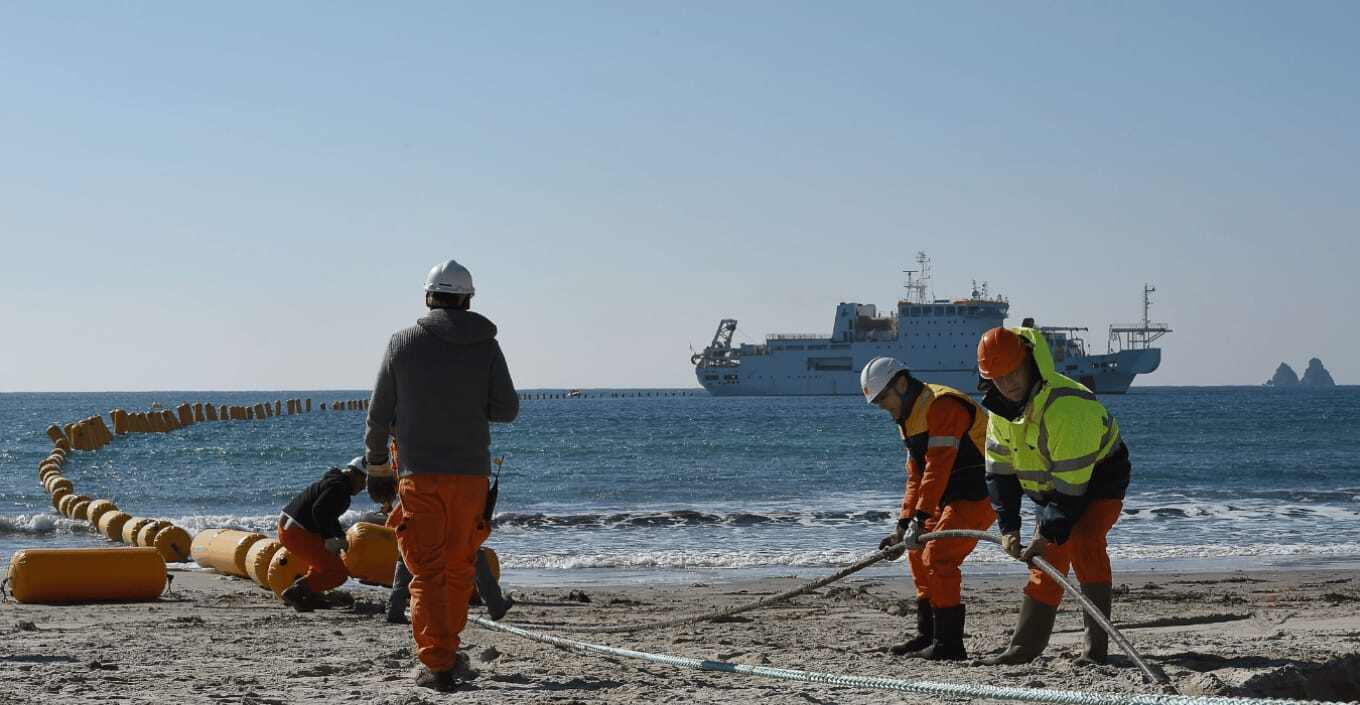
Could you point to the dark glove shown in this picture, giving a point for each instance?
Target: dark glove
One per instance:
(382, 490)
(1035, 548)
(896, 536)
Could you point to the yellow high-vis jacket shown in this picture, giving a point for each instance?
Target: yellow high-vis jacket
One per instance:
(1062, 449)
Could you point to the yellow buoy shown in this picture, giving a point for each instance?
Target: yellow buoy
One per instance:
(284, 569)
(223, 550)
(97, 509)
(47, 471)
(60, 494)
(105, 435)
(55, 433)
(79, 509)
(65, 503)
(57, 482)
(198, 411)
(258, 558)
(148, 532)
(111, 525)
(66, 575)
(130, 529)
(173, 542)
(372, 554)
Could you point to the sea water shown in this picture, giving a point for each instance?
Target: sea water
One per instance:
(651, 485)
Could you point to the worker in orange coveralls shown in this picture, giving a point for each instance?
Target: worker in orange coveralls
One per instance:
(310, 529)
(441, 383)
(945, 433)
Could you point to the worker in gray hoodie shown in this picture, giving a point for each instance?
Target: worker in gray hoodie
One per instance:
(441, 383)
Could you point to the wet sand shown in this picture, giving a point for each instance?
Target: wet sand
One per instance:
(218, 639)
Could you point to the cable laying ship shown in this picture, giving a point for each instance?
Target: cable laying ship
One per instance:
(936, 338)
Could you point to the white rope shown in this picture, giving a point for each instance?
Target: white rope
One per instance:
(1151, 675)
(919, 687)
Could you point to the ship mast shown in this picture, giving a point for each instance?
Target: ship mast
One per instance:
(918, 280)
(1138, 337)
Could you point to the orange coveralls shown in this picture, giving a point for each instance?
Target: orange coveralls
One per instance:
(439, 531)
(935, 568)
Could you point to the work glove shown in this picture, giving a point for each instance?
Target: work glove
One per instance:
(337, 544)
(1010, 543)
(914, 531)
(1035, 548)
(896, 536)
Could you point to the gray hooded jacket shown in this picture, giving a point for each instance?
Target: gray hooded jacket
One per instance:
(441, 383)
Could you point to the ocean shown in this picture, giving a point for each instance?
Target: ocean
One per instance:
(656, 487)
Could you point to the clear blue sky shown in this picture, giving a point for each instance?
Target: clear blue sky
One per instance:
(198, 196)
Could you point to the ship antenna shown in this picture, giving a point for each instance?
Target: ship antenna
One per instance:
(918, 280)
(1148, 289)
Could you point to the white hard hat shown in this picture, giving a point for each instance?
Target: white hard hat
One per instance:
(359, 464)
(449, 278)
(876, 375)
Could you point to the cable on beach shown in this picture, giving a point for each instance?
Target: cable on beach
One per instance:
(918, 687)
(1151, 675)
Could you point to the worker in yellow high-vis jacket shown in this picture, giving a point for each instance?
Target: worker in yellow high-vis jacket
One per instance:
(1048, 438)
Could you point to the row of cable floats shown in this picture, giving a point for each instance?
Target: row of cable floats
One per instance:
(62, 575)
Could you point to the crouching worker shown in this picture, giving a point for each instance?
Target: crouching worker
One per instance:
(310, 529)
(944, 432)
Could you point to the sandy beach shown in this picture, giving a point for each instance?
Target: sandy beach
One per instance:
(217, 639)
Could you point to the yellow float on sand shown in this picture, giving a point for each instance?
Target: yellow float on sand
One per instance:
(66, 575)
(372, 554)
(258, 558)
(284, 569)
(223, 550)
(173, 542)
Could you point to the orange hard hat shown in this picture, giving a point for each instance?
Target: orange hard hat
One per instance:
(1000, 352)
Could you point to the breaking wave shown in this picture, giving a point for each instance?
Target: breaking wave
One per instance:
(829, 558)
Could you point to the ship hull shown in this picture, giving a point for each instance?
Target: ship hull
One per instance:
(792, 373)
(828, 384)
(1112, 373)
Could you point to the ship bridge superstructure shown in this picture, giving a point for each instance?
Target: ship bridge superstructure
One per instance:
(935, 338)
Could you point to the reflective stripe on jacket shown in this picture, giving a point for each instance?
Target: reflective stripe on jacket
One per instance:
(944, 434)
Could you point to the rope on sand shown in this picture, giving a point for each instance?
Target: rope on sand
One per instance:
(1151, 675)
(887, 553)
(918, 687)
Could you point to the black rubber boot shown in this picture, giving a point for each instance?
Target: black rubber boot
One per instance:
(299, 596)
(1031, 634)
(925, 630)
(948, 642)
(489, 590)
(1097, 646)
(401, 594)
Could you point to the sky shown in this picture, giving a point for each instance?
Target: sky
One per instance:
(199, 196)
